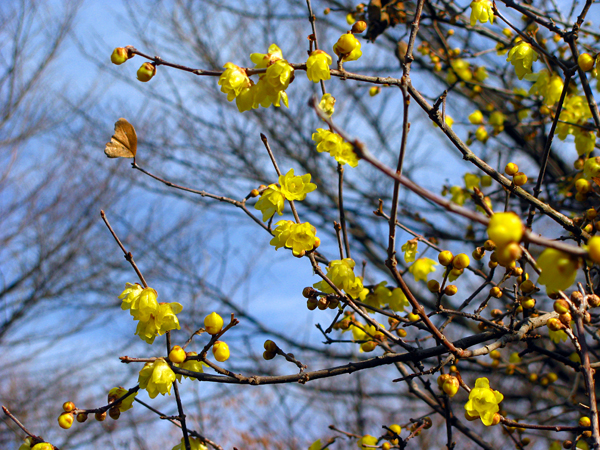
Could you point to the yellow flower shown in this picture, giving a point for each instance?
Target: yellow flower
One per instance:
(220, 351)
(278, 77)
(481, 74)
(558, 270)
(233, 81)
(461, 69)
(421, 268)
(144, 305)
(333, 144)
(380, 295)
(193, 365)
(296, 187)
(471, 181)
(327, 104)
(347, 47)
(213, 323)
(476, 117)
(195, 444)
(355, 289)
(481, 10)
(522, 56)
(300, 237)
(118, 392)
(262, 61)
(317, 66)
(591, 168)
(131, 292)
(505, 228)
(162, 320)
(398, 300)
(265, 96)
(483, 401)
(481, 134)
(341, 273)
(366, 440)
(458, 195)
(557, 336)
(548, 86)
(245, 100)
(497, 120)
(271, 201)
(410, 250)
(157, 378)
(585, 141)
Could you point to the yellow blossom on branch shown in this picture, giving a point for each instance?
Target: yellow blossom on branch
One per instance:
(559, 270)
(522, 57)
(262, 60)
(233, 81)
(327, 104)
(195, 444)
(300, 237)
(118, 392)
(481, 10)
(162, 320)
(296, 187)
(341, 274)
(483, 401)
(410, 250)
(157, 378)
(347, 47)
(271, 201)
(421, 268)
(335, 145)
(317, 66)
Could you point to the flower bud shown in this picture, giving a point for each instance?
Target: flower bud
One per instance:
(268, 355)
(65, 420)
(554, 324)
(68, 406)
(433, 286)
(593, 301)
(368, 346)
(213, 323)
(177, 355)
(82, 417)
(461, 261)
(119, 55)
(511, 169)
(565, 318)
(220, 351)
(311, 303)
(445, 258)
(100, 417)
(585, 62)
(450, 290)
(359, 27)
(146, 72)
(114, 412)
(519, 179)
(585, 422)
(451, 386)
(270, 346)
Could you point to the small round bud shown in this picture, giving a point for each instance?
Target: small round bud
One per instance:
(489, 245)
(527, 302)
(254, 193)
(591, 214)
(554, 324)
(114, 412)
(220, 351)
(583, 186)
(585, 62)
(401, 332)
(146, 72)
(119, 55)
(268, 355)
(65, 420)
(585, 422)
(359, 27)
(552, 377)
(496, 419)
(177, 355)
(450, 290)
(412, 317)
(311, 303)
(374, 90)
(100, 417)
(344, 324)
(525, 441)
(326, 11)
(533, 377)
(581, 197)
(576, 297)
(519, 179)
(308, 292)
(496, 292)
(82, 417)
(495, 354)
(433, 286)
(593, 301)
(386, 446)
(445, 258)
(451, 386)
(565, 318)
(427, 423)
(587, 317)
(511, 169)
(527, 287)
(567, 444)
(333, 303)
(68, 406)
(461, 261)
(443, 377)
(368, 346)
(270, 346)
(322, 303)
(213, 323)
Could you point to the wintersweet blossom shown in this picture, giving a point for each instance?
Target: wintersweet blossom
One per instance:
(233, 81)
(262, 60)
(341, 274)
(557, 336)
(421, 268)
(143, 305)
(327, 104)
(505, 228)
(398, 300)
(118, 392)
(483, 401)
(481, 10)
(410, 250)
(559, 270)
(162, 320)
(300, 237)
(278, 77)
(347, 47)
(193, 365)
(548, 86)
(585, 141)
(156, 377)
(296, 187)
(195, 444)
(367, 439)
(522, 56)
(271, 201)
(380, 295)
(335, 145)
(317, 66)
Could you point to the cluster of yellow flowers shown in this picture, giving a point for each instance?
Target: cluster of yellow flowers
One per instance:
(574, 116)
(332, 143)
(154, 319)
(341, 273)
(291, 187)
(300, 237)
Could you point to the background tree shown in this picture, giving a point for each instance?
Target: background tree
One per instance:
(190, 136)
